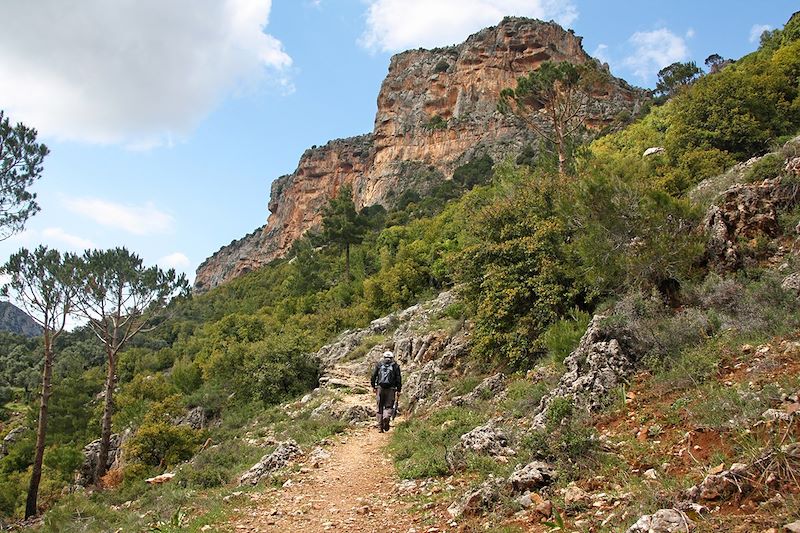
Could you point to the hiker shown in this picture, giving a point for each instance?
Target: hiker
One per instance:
(386, 384)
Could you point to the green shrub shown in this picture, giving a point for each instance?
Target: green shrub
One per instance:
(768, 167)
(162, 444)
(563, 336)
(218, 464)
(441, 66)
(186, 376)
(476, 172)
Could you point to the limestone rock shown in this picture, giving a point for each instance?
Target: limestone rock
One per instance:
(285, 452)
(792, 283)
(653, 151)
(487, 439)
(475, 501)
(662, 521)
(574, 495)
(12, 437)
(487, 388)
(318, 456)
(532, 476)
(405, 151)
(91, 457)
(746, 211)
(603, 359)
(195, 418)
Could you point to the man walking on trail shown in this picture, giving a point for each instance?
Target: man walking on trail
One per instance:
(386, 384)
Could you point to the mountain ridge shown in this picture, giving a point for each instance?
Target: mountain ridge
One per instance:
(436, 111)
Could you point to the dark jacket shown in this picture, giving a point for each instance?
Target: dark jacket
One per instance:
(397, 378)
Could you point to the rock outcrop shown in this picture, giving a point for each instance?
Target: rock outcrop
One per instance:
(437, 109)
(603, 359)
(745, 212)
(86, 475)
(285, 452)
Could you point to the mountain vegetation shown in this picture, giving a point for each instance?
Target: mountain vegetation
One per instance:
(532, 254)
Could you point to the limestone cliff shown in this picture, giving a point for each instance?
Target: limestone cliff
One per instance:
(436, 110)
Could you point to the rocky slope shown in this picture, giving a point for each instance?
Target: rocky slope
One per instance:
(15, 320)
(436, 111)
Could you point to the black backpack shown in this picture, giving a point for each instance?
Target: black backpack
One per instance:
(386, 374)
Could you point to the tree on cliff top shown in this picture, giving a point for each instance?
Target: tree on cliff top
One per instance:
(43, 283)
(553, 101)
(342, 224)
(120, 298)
(20, 165)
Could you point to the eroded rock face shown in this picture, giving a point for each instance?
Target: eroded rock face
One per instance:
(10, 439)
(603, 359)
(437, 109)
(744, 213)
(91, 455)
(285, 452)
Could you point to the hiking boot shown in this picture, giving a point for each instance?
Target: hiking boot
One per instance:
(385, 425)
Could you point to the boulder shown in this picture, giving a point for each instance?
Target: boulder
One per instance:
(487, 439)
(653, 151)
(476, 501)
(318, 456)
(602, 361)
(487, 388)
(195, 418)
(532, 476)
(12, 437)
(792, 282)
(86, 475)
(285, 452)
(662, 521)
(356, 414)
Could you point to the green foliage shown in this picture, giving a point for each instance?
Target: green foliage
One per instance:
(563, 90)
(186, 375)
(441, 66)
(676, 76)
(476, 172)
(437, 122)
(768, 167)
(520, 274)
(159, 443)
(563, 336)
(21, 160)
(420, 447)
(631, 233)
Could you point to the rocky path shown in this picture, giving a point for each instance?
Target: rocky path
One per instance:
(354, 490)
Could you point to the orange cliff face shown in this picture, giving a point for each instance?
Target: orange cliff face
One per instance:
(437, 110)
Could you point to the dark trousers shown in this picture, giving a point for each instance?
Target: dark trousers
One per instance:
(385, 398)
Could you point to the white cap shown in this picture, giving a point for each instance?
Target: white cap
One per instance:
(388, 355)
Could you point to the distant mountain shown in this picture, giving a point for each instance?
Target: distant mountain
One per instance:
(15, 320)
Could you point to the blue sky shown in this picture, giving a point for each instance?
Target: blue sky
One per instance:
(167, 121)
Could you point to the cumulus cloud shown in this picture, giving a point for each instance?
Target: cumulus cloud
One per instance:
(757, 30)
(601, 53)
(137, 73)
(654, 50)
(175, 260)
(136, 219)
(394, 25)
(61, 236)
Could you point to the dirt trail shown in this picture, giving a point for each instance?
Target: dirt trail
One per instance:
(354, 490)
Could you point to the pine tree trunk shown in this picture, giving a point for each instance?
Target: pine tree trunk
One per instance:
(41, 430)
(108, 409)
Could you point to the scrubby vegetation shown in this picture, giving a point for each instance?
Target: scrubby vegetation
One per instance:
(533, 253)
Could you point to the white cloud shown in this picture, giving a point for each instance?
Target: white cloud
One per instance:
(61, 236)
(654, 50)
(139, 73)
(139, 220)
(690, 33)
(601, 53)
(175, 260)
(394, 25)
(757, 30)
